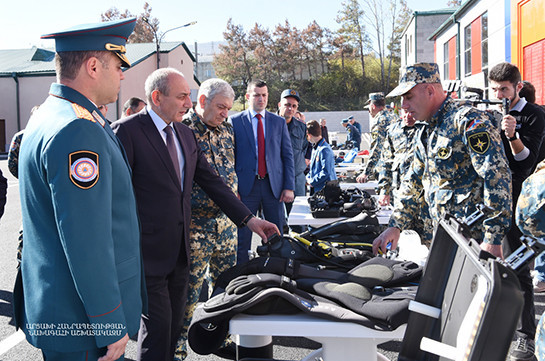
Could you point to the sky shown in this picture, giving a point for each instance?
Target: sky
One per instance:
(25, 21)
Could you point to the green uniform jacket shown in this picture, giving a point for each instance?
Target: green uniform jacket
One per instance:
(82, 279)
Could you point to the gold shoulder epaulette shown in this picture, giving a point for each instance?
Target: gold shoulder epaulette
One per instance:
(82, 113)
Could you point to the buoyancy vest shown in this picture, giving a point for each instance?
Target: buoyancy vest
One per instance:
(365, 295)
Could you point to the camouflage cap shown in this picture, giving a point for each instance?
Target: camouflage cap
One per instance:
(416, 74)
(375, 96)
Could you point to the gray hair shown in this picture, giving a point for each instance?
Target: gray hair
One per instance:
(158, 80)
(215, 86)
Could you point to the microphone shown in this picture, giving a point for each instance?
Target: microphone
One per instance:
(506, 102)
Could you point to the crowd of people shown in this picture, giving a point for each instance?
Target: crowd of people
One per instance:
(125, 223)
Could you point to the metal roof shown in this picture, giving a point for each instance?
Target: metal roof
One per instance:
(40, 61)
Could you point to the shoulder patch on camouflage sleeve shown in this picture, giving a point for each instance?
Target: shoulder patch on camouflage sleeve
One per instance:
(82, 113)
(84, 171)
(479, 142)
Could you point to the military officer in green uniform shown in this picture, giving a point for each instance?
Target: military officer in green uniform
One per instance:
(80, 294)
(396, 160)
(382, 119)
(459, 162)
(213, 235)
(530, 218)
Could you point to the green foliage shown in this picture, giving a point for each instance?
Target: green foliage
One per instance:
(145, 27)
(331, 70)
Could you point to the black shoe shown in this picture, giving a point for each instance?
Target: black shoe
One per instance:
(228, 351)
(523, 350)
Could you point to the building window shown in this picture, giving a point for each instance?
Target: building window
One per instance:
(445, 60)
(450, 59)
(467, 50)
(476, 45)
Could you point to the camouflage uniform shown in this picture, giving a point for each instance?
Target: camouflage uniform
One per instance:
(395, 162)
(460, 163)
(13, 166)
(530, 218)
(13, 155)
(530, 214)
(378, 134)
(213, 236)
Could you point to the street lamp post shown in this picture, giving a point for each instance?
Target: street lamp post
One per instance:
(159, 39)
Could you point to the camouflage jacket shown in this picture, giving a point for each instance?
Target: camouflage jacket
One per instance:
(460, 163)
(378, 135)
(219, 147)
(396, 156)
(13, 155)
(530, 214)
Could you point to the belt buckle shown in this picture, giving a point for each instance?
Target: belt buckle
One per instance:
(260, 177)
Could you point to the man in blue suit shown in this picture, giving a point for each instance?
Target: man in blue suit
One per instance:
(263, 162)
(79, 293)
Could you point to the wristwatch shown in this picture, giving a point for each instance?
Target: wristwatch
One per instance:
(514, 137)
(245, 221)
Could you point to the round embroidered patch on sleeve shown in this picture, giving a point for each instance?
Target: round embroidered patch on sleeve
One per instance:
(84, 170)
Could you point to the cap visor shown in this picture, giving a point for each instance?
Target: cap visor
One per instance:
(124, 60)
(401, 89)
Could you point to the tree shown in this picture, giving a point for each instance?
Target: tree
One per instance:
(314, 47)
(454, 3)
(387, 19)
(401, 22)
(142, 32)
(352, 27)
(234, 63)
(260, 44)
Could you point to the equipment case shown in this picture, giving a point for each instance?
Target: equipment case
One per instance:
(467, 305)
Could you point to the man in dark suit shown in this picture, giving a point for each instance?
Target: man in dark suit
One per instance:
(263, 162)
(165, 159)
(81, 271)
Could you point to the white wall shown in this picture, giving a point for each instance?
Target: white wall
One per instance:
(408, 55)
(32, 91)
(496, 34)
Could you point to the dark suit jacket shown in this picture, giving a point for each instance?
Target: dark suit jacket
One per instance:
(278, 150)
(165, 210)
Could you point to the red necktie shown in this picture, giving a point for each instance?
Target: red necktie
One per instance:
(261, 163)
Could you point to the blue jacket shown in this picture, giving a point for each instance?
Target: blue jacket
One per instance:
(278, 151)
(81, 268)
(322, 166)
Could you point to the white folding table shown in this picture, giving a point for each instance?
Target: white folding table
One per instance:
(341, 341)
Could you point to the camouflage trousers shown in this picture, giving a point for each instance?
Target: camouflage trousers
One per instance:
(422, 223)
(213, 250)
(424, 226)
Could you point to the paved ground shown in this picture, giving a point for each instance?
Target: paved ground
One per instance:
(284, 349)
